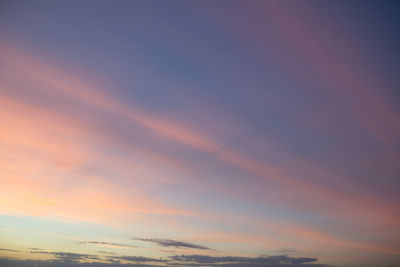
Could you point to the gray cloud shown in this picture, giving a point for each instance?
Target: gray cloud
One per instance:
(36, 249)
(281, 259)
(9, 250)
(107, 243)
(172, 243)
(270, 261)
(137, 259)
(41, 263)
(68, 257)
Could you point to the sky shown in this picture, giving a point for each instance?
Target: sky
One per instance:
(199, 133)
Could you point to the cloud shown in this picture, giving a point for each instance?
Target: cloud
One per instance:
(280, 259)
(9, 250)
(172, 243)
(69, 257)
(26, 196)
(137, 259)
(106, 252)
(36, 249)
(35, 263)
(287, 250)
(73, 260)
(107, 244)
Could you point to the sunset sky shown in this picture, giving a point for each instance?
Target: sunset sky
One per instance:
(199, 133)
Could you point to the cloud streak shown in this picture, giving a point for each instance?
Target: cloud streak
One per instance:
(265, 261)
(172, 243)
(107, 244)
(9, 250)
(137, 259)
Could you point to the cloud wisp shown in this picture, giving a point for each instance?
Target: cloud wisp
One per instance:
(106, 252)
(172, 243)
(107, 244)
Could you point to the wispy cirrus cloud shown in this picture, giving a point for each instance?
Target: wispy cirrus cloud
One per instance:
(64, 86)
(69, 194)
(34, 198)
(172, 243)
(107, 244)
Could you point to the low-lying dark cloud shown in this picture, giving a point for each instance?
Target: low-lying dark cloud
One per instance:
(280, 259)
(172, 243)
(107, 244)
(188, 261)
(137, 259)
(68, 257)
(41, 263)
(36, 249)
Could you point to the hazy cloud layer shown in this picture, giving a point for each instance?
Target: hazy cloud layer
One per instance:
(106, 252)
(249, 127)
(172, 243)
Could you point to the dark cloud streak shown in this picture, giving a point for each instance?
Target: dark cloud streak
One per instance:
(137, 259)
(172, 243)
(204, 259)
